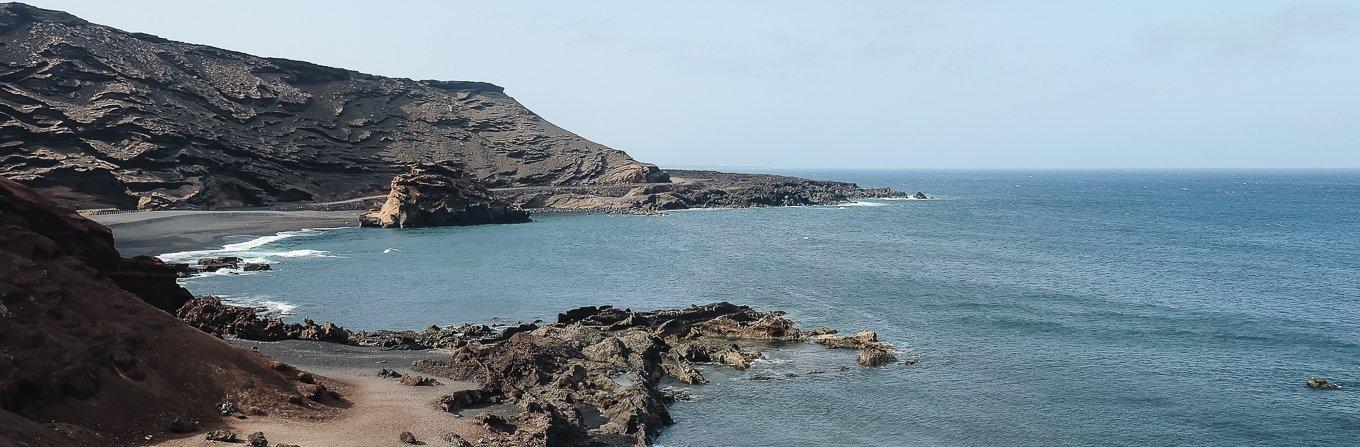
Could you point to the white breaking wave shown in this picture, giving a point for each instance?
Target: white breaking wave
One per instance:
(271, 307)
(865, 204)
(250, 250)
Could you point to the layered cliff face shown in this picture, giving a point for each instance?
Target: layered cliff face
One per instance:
(98, 117)
(86, 358)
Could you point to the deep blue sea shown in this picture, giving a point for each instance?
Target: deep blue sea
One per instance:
(1132, 308)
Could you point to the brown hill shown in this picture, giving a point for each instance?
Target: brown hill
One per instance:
(86, 362)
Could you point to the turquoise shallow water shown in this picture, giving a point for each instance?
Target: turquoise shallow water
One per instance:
(1049, 308)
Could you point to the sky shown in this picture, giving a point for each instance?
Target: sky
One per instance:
(854, 84)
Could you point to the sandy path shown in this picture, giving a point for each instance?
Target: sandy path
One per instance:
(380, 408)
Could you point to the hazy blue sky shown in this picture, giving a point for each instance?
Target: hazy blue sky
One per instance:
(867, 84)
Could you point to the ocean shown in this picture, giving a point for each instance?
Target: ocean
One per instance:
(1132, 308)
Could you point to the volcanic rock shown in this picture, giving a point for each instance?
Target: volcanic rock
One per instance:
(1319, 383)
(873, 356)
(440, 194)
(220, 436)
(257, 439)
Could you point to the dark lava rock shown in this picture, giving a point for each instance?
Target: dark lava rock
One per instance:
(440, 194)
(407, 437)
(100, 118)
(211, 316)
(255, 267)
(221, 436)
(419, 381)
(873, 356)
(594, 377)
(455, 441)
(1319, 383)
(389, 374)
(257, 439)
(215, 264)
(920, 196)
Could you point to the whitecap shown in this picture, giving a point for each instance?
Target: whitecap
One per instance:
(864, 204)
(268, 306)
(250, 250)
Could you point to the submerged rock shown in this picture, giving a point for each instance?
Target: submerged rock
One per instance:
(440, 194)
(1319, 383)
(256, 266)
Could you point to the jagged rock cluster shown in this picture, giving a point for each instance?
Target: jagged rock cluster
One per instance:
(88, 353)
(210, 315)
(594, 378)
(440, 194)
(97, 117)
(698, 189)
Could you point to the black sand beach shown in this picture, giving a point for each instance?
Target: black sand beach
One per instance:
(157, 232)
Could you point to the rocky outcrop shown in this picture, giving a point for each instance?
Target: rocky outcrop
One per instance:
(210, 315)
(594, 377)
(696, 189)
(97, 117)
(84, 361)
(440, 194)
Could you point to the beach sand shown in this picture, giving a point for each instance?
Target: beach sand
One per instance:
(379, 409)
(157, 232)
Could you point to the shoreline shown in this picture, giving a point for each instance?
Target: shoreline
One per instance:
(154, 233)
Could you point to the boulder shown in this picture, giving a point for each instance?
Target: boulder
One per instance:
(920, 196)
(220, 436)
(440, 194)
(872, 356)
(257, 439)
(215, 264)
(419, 381)
(256, 266)
(407, 437)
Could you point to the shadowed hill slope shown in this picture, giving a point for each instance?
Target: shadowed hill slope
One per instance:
(85, 362)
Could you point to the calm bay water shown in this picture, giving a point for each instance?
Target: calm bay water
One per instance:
(1048, 308)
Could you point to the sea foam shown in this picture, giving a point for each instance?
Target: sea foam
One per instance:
(251, 250)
